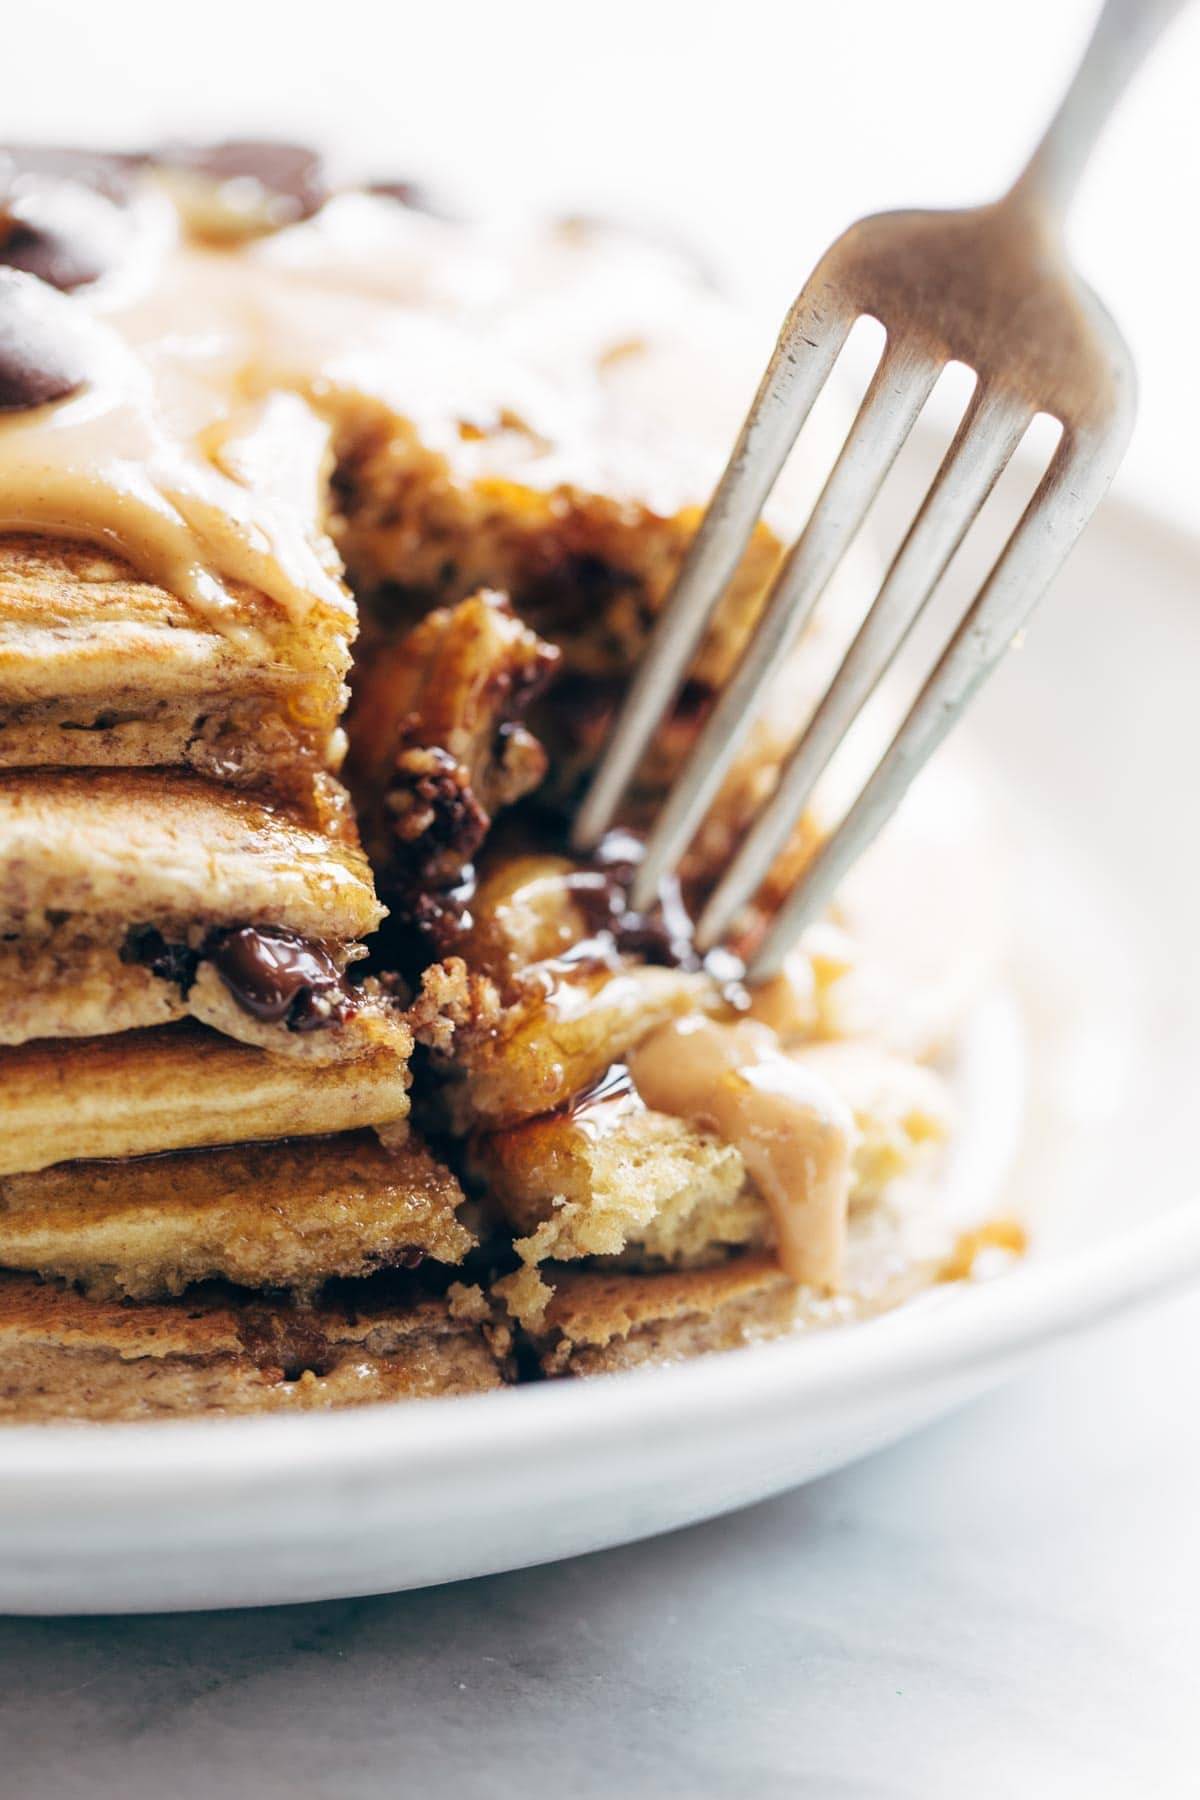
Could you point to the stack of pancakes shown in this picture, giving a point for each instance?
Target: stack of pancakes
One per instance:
(243, 423)
(193, 1087)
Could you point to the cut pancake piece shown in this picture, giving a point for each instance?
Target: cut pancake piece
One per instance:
(609, 1177)
(551, 438)
(438, 747)
(543, 998)
(100, 667)
(281, 1215)
(131, 897)
(508, 1063)
(595, 1321)
(179, 1087)
(64, 1356)
(598, 1321)
(585, 530)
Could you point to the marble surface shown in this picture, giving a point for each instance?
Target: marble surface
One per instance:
(1005, 1605)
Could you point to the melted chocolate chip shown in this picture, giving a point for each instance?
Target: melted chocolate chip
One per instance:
(275, 975)
(435, 827)
(291, 174)
(65, 234)
(662, 934)
(279, 977)
(43, 354)
(173, 962)
(426, 923)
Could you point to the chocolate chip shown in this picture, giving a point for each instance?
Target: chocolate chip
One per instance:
(64, 233)
(146, 946)
(43, 344)
(280, 977)
(437, 823)
(425, 923)
(260, 184)
(274, 974)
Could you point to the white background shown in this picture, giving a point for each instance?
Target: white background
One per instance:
(759, 127)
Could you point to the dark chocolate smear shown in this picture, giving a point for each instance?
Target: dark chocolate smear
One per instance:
(424, 924)
(43, 353)
(662, 934)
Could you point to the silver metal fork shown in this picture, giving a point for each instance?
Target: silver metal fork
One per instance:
(990, 287)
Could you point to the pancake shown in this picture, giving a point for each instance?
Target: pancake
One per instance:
(540, 998)
(101, 668)
(608, 1173)
(601, 1321)
(63, 1356)
(283, 1215)
(608, 1176)
(588, 554)
(597, 1321)
(179, 1087)
(504, 1063)
(132, 897)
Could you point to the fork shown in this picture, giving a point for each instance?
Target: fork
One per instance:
(991, 288)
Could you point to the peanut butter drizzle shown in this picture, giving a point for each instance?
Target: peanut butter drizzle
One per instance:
(794, 1133)
(222, 378)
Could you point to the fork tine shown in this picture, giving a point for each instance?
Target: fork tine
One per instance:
(812, 337)
(899, 389)
(1065, 499)
(987, 436)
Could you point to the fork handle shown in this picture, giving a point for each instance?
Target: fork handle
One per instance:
(1124, 32)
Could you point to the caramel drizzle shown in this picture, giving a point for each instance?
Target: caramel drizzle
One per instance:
(221, 380)
(794, 1133)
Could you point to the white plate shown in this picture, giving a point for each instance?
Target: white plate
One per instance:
(1096, 734)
